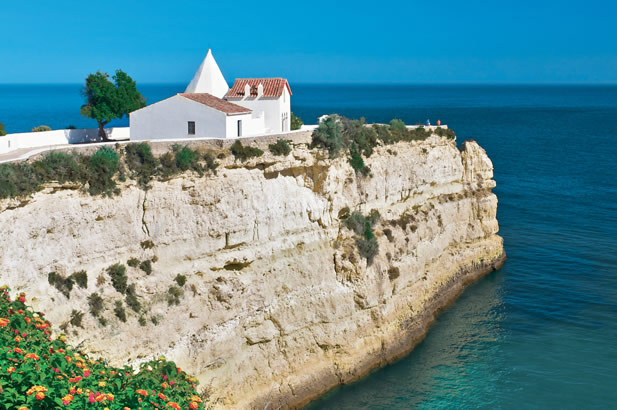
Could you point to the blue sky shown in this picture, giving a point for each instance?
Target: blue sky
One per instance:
(439, 41)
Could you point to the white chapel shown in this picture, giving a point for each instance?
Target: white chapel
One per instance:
(208, 108)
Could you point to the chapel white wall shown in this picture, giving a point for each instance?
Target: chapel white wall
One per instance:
(168, 119)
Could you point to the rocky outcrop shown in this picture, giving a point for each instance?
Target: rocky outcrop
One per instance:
(278, 306)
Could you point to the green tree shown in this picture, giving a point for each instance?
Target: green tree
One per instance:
(329, 134)
(107, 100)
(296, 122)
(2, 131)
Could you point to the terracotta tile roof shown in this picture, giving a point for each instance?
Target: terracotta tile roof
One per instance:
(216, 103)
(273, 87)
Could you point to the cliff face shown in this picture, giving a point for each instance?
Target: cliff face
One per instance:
(278, 306)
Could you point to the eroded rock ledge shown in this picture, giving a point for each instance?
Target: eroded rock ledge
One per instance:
(278, 306)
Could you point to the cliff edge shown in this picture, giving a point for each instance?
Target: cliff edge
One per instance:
(278, 305)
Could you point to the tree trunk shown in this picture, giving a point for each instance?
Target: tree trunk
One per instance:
(102, 133)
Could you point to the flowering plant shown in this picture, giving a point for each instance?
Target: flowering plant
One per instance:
(38, 371)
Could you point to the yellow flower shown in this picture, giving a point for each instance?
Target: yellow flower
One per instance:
(102, 384)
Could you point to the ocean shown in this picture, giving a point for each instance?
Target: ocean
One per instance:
(542, 331)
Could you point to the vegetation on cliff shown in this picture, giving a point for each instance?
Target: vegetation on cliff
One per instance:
(243, 153)
(38, 371)
(280, 147)
(97, 173)
(362, 226)
(296, 122)
(358, 140)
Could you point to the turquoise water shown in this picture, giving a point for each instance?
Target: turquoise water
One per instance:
(542, 331)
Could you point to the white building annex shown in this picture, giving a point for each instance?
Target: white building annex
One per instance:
(210, 109)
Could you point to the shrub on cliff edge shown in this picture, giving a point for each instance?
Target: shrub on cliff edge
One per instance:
(2, 131)
(140, 162)
(280, 147)
(296, 122)
(329, 135)
(41, 128)
(102, 167)
(243, 153)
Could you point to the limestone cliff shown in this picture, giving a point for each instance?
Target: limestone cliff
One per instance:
(278, 306)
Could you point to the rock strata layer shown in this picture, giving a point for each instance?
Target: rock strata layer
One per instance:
(278, 305)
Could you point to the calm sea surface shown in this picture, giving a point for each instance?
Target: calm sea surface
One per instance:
(542, 331)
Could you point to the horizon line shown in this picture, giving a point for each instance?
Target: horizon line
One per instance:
(364, 83)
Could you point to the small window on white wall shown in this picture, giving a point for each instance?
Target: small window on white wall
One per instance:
(191, 127)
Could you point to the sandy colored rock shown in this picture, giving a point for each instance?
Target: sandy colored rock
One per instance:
(278, 306)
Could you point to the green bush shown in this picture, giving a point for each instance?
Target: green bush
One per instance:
(186, 158)
(174, 294)
(296, 122)
(140, 161)
(81, 278)
(168, 166)
(64, 285)
(384, 135)
(131, 298)
(133, 262)
(368, 248)
(281, 147)
(445, 132)
(119, 311)
(18, 179)
(147, 244)
(146, 266)
(76, 317)
(102, 166)
(363, 228)
(356, 135)
(211, 164)
(243, 153)
(41, 128)
(58, 166)
(357, 163)
(119, 280)
(329, 135)
(397, 125)
(142, 321)
(2, 130)
(180, 279)
(96, 304)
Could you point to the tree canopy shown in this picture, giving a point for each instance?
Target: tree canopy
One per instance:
(107, 100)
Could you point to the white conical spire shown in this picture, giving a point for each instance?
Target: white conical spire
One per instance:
(208, 79)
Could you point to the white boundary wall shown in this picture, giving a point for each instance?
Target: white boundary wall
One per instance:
(11, 142)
